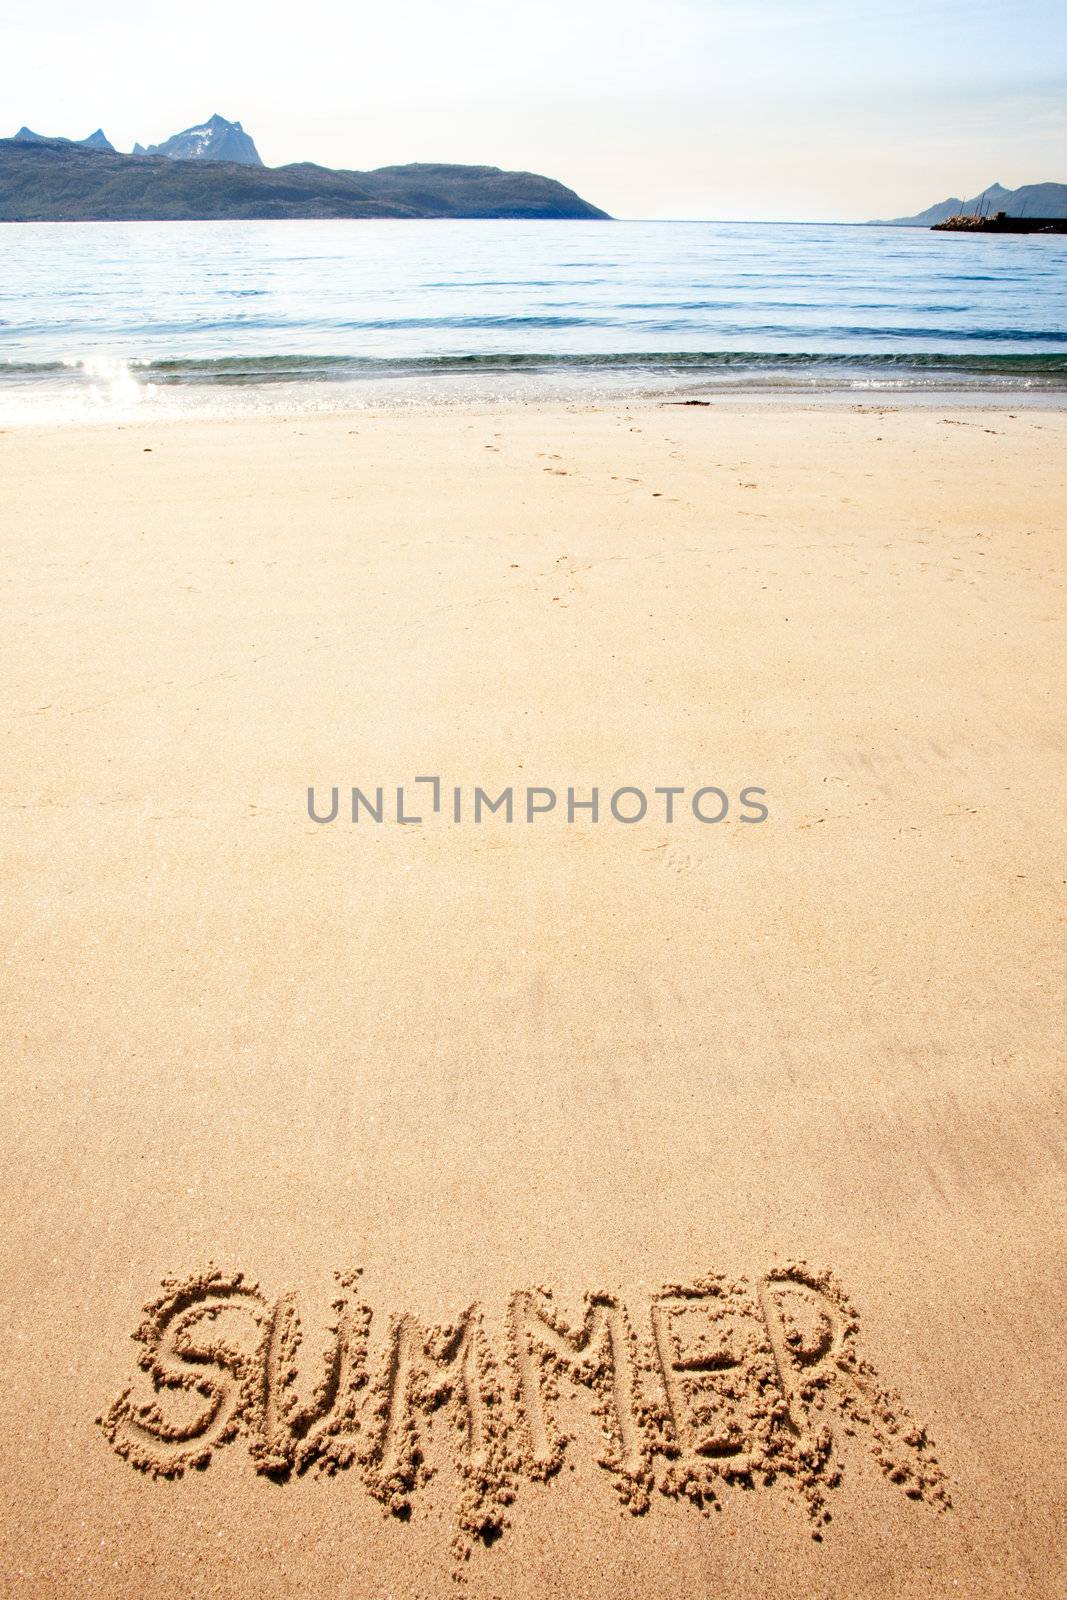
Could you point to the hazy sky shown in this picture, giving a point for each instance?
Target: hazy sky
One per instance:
(678, 108)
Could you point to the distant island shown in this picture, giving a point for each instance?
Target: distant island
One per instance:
(213, 172)
(1033, 200)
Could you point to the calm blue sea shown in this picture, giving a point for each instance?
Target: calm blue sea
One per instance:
(106, 319)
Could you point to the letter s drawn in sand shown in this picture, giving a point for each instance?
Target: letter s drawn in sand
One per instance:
(202, 1355)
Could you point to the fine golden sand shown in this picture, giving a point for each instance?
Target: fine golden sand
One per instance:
(668, 1209)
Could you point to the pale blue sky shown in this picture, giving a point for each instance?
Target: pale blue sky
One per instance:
(683, 108)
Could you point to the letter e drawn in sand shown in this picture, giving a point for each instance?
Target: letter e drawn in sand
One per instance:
(711, 1347)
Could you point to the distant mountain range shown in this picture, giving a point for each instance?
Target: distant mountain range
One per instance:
(213, 140)
(213, 172)
(1032, 200)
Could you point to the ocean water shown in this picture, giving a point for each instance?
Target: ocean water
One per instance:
(111, 320)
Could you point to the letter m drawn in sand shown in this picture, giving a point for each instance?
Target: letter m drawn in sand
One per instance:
(598, 1354)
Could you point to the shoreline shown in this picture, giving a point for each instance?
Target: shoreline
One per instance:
(366, 403)
(117, 390)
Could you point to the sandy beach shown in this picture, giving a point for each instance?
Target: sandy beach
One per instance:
(549, 1207)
